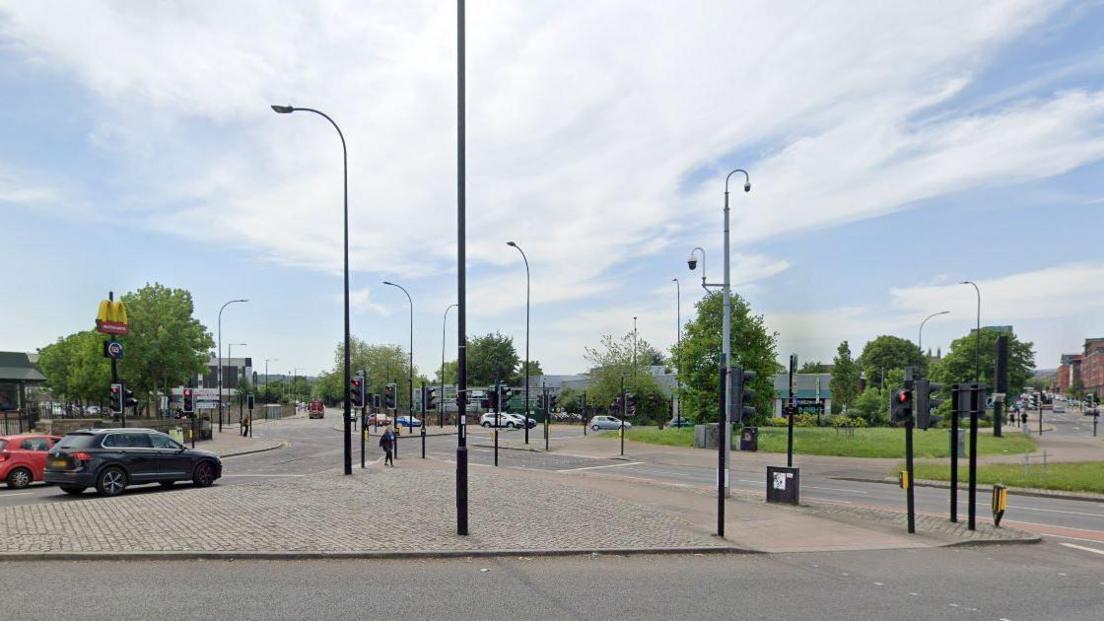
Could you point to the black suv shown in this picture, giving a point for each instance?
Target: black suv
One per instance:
(112, 459)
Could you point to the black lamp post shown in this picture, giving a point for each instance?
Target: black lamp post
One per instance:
(441, 401)
(526, 259)
(220, 357)
(345, 165)
(410, 379)
(678, 342)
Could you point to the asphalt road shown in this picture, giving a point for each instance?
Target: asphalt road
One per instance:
(1043, 581)
(316, 446)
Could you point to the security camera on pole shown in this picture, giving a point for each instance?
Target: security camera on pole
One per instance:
(725, 445)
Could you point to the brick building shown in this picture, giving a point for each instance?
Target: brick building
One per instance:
(1092, 367)
(1068, 372)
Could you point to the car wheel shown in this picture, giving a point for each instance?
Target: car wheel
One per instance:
(485, 424)
(204, 475)
(69, 489)
(595, 427)
(510, 425)
(111, 482)
(19, 478)
(166, 484)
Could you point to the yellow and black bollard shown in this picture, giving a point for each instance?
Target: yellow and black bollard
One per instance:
(1000, 503)
(903, 479)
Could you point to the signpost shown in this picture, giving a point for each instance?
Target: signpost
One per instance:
(111, 319)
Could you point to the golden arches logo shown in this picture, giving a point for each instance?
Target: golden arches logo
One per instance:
(111, 318)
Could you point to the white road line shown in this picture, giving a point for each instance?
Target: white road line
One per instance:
(1077, 547)
(629, 463)
(836, 489)
(1025, 508)
(3, 496)
(1101, 541)
(263, 475)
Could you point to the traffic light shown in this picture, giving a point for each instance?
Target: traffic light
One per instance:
(189, 401)
(116, 399)
(249, 402)
(430, 398)
(552, 399)
(925, 404)
(490, 402)
(742, 395)
(504, 394)
(616, 405)
(630, 404)
(389, 393)
(901, 406)
(356, 387)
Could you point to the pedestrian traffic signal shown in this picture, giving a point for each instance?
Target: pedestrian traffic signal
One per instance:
(116, 399)
(189, 401)
(249, 402)
(901, 410)
(389, 396)
(429, 398)
(552, 399)
(356, 387)
(490, 402)
(925, 404)
(742, 395)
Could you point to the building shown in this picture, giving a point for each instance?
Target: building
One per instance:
(1092, 367)
(1069, 372)
(233, 370)
(17, 373)
(811, 390)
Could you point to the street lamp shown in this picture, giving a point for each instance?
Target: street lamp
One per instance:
(220, 356)
(977, 333)
(345, 166)
(724, 447)
(678, 346)
(920, 336)
(267, 360)
(441, 402)
(634, 345)
(410, 394)
(526, 259)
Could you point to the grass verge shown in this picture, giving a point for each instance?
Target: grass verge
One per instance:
(866, 442)
(1070, 477)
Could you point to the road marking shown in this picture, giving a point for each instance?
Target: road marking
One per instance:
(263, 475)
(1077, 547)
(836, 489)
(630, 463)
(1024, 508)
(2, 496)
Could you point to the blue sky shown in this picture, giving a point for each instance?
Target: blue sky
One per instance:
(894, 151)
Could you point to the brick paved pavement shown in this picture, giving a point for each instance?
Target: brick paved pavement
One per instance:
(409, 509)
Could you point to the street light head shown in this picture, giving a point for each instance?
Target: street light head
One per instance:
(388, 282)
(512, 244)
(283, 109)
(747, 186)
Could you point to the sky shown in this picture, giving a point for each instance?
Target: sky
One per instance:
(894, 150)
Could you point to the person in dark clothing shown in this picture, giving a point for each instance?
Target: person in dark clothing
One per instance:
(387, 443)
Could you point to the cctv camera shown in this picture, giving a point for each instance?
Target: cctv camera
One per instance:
(747, 187)
(692, 262)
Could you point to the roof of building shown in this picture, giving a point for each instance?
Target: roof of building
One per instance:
(805, 385)
(16, 366)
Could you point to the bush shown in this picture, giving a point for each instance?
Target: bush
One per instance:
(848, 421)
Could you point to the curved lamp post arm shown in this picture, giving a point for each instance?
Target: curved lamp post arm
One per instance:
(920, 336)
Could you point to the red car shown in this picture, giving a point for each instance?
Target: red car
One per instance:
(316, 409)
(23, 458)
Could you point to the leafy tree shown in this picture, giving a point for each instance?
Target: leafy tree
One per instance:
(815, 367)
(888, 352)
(384, 364)
(753, 349)
(611, 361)
(845, 377)
(958, 365)
(492, 356)
(75, 368)
(872, 406)
(166, 346)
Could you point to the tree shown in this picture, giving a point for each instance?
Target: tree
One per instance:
(166, 345)
(815, 367)
(958, 365)
(384, 364)
(75, 368)
(845, 377)
(888, 352)
(753, 349)
(611, 361)
(872, 406)
(491, 357)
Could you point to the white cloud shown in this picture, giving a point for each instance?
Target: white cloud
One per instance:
(361, 300)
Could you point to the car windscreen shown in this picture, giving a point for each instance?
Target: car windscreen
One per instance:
(76, 441)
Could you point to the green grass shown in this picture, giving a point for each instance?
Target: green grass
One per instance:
(867, 442)
(1072, 477)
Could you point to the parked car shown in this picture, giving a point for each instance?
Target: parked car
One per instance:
(1059, 409)
(409, 422)
(316, 410)
(680, 422)
(607, 422)
(520, 421)
(379, 419)
(23, 458)
(488, 420)
(113, 459)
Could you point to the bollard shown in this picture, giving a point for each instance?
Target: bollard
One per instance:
(423, 439)
(1000, 503)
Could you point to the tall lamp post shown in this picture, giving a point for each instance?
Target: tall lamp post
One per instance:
(410, 381)
(441, 402)
(461, 282)
(345, 166)
(726, 349)
(977, 333)
(220, 356)
(267, 360)
(972, 485)
(920, 336)
(678, 345)
(526, 259)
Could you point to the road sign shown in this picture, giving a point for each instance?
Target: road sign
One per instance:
(113, 349)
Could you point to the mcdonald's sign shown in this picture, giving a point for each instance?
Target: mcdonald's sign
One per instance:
(111, 318)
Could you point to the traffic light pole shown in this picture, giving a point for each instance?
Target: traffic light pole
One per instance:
(955, 412)
(423, 425)
(908, 468)
(792, 410)
(115, 368)
(583, 413)
(976, 403)
(497, 422)
(623, 409)
(547, 410)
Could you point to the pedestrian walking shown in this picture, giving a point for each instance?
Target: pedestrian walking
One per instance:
(246, 422)
(387, 443)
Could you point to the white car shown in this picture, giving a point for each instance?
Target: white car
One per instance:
(608, 422)
(504, 420)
